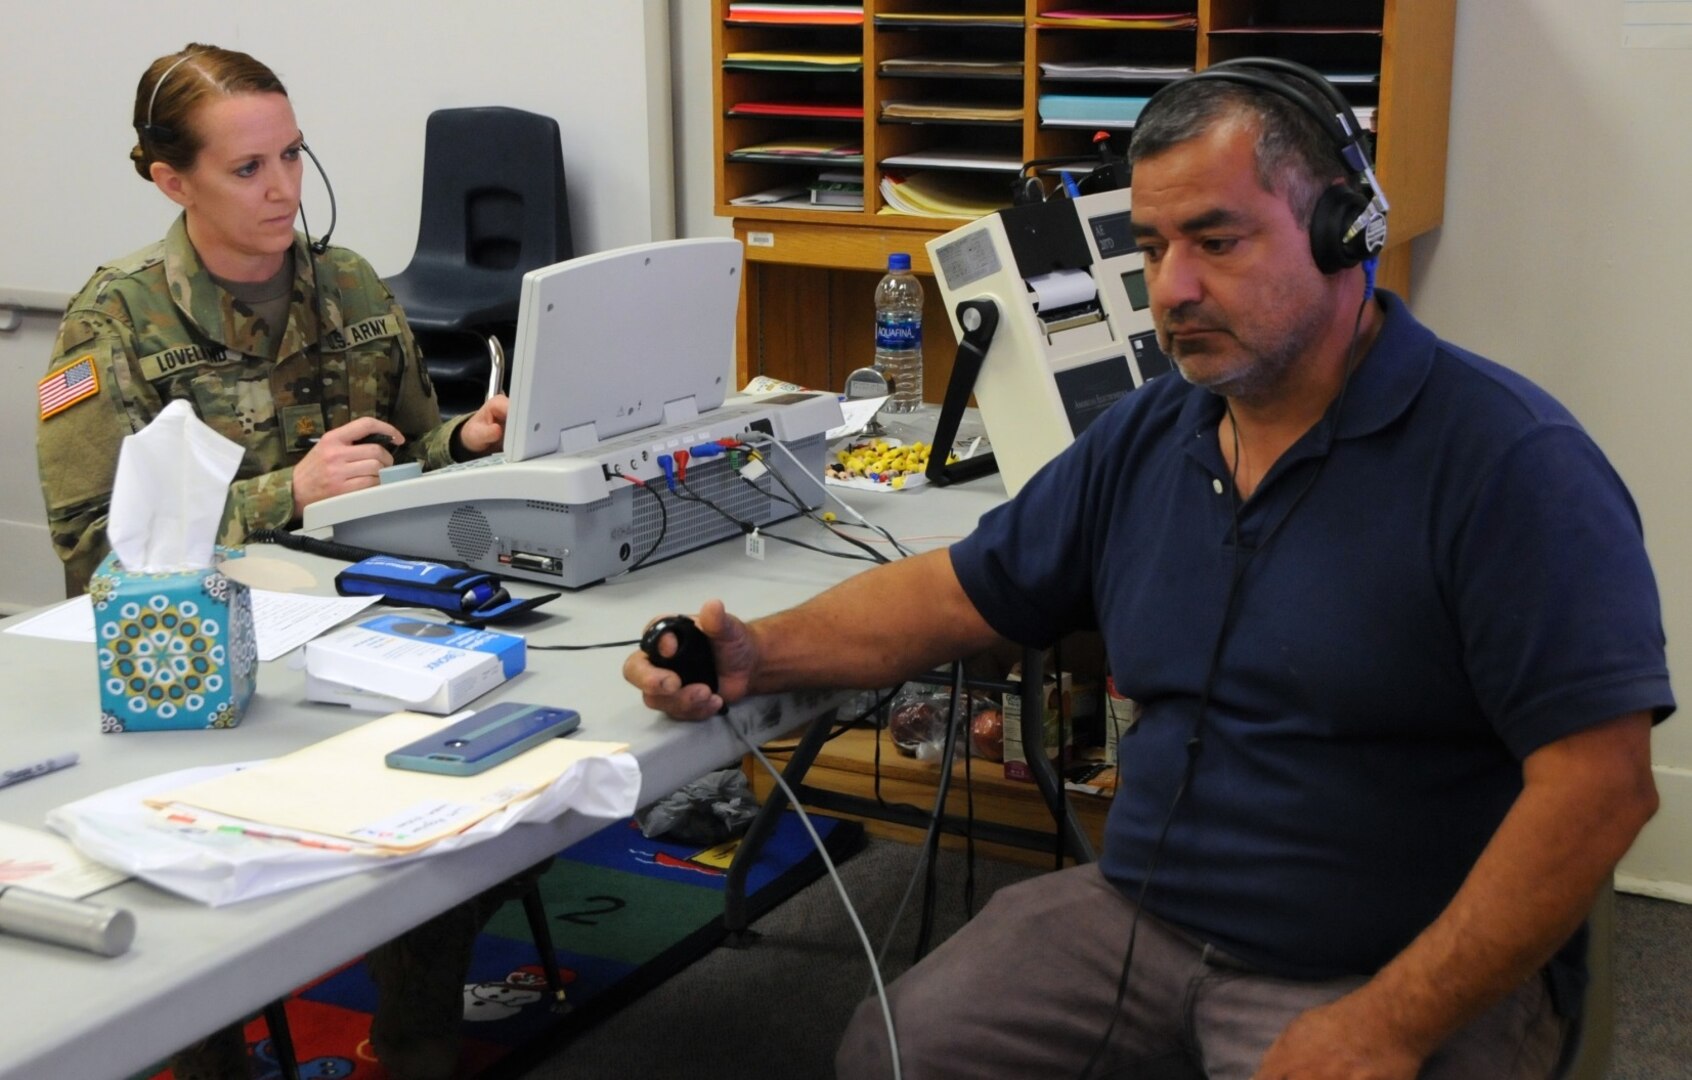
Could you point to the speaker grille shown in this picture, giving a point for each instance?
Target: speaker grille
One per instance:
(469, 533)
(687, 524)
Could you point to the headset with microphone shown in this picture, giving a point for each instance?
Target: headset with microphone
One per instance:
(1349, 224)
(158, 133)
(321, 244)
(161, 133)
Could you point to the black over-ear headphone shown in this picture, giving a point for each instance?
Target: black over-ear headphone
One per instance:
(1349, 223)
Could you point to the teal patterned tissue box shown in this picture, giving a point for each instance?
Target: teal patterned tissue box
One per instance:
(175, 650)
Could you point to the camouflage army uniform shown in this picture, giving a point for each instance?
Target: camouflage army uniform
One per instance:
(157, 328)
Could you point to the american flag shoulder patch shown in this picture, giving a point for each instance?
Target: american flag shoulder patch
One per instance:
(68, 385)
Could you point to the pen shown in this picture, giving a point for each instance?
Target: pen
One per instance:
(384, 441)
(39, 768)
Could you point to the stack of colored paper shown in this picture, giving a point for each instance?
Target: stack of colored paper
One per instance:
(801, 149)
(1090, 110)
(949, 110)
(1009, 68)
(798, 14)
(1122, 20)
(943, 194)
(916, 18)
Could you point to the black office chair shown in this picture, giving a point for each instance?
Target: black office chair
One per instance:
(494, 208)
(1591, 1038)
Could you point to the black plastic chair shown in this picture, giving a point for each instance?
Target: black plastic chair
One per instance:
(1590, 1042)
(494, 208)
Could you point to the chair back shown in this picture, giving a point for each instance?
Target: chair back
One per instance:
(1590, 1042)
(494, 207)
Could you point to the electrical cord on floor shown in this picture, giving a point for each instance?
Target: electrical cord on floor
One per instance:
(875, 778)
(969, 808)
(857, 924)
(931, 842)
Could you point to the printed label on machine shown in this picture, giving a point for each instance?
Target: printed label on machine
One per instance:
(1088, 390)
(967, 260)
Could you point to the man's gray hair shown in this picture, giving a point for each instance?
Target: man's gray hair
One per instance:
(1295, 155)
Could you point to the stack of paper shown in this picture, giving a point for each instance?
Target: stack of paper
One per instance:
(838, 187)
(1101, 69)
(943, 194)
(45, 863)
(342, 788)
(818, 109)
(954, 158)
(952, 65)
(913, 18)
(1122, 20)
(801, 149)
(798, 14)
(949, 110)
(1299, 28)
(1090, 110)
(794, 61)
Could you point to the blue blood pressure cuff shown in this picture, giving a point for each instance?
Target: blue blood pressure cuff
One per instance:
(469, 596)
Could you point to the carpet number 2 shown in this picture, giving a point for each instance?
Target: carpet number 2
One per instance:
(584, 917)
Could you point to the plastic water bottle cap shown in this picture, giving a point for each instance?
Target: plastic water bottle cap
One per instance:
(898, 261)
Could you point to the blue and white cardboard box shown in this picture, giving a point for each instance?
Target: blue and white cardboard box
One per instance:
(393, 662)
(175, 650)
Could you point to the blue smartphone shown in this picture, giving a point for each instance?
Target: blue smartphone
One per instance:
(484, 739)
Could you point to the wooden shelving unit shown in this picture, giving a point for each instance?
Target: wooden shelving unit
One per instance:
(810, 273)
(847, 766)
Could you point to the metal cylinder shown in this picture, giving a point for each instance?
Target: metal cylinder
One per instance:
(55, 919)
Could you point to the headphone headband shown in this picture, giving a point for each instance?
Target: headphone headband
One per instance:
(1349, 223)
(150, 129)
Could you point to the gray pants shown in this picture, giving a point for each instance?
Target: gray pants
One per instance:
(1027, 988)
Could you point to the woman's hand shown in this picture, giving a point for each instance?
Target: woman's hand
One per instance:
(343, 461)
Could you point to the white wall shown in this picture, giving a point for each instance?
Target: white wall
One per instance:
(693, 105)
(1565, 255)
(363, 78)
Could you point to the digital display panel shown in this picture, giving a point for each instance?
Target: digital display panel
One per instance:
(1135, 282)
(1148, 356)
(1112, 234)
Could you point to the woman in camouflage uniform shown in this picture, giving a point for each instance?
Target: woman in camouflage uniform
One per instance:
(297, 352)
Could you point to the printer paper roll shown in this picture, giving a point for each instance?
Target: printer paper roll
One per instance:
(1061, 289)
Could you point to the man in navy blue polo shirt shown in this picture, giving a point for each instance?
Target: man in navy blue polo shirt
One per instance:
(1389, 616)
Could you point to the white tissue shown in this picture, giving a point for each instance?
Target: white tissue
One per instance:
(167, 499)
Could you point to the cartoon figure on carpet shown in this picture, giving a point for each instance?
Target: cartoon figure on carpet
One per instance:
(507, 997)
(664, 858)
(327, 1067)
